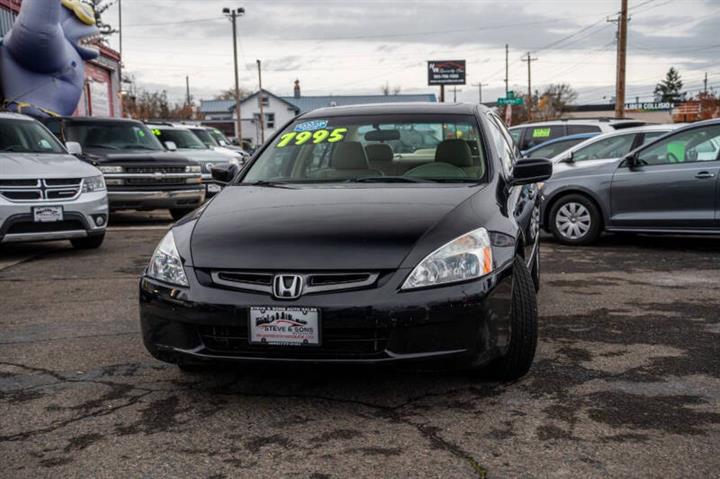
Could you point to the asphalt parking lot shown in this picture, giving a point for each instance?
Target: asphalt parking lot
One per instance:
(626, 381)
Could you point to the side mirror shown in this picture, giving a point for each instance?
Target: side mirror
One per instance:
(531, 170)
(171, 146)
(570, 158)
(224, 173)
(630, 161)
(74, 148)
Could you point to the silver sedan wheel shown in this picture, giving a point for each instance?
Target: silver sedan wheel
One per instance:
(573, 221)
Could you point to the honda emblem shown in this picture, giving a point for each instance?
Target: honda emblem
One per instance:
(288, 286)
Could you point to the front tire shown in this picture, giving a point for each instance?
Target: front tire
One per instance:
(535, 271)
(90, 242)
(523, 328)
(575, 220)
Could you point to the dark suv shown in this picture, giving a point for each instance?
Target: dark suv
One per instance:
(140, 174)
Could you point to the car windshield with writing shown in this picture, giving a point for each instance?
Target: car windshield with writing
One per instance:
(374, 149)
(26, 136)
(106, 135)
(183, 139)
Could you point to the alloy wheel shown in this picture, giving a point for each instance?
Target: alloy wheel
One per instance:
(573, 221)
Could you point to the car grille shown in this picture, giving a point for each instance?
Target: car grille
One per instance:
(59, 189)
(154, 169)
(338, 342)
(154, 181)
(314, 282)
(26, 227)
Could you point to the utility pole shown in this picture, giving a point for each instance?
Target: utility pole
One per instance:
(507, 76)
(529, 59)
(455, 90)
(480, 85)
(120, 73)
(187, 90)
(233, 15)
(622, 22)
(262, 97)
(442, 93)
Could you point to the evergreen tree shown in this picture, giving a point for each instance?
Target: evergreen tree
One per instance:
(668, 90)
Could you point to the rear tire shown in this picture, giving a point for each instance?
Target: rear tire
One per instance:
(575, 220)
(90, 242)
(180, 213)
(523, 328)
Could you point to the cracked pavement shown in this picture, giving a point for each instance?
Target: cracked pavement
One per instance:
(626, 381)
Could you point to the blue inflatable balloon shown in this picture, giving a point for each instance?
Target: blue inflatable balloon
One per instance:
(42, 57)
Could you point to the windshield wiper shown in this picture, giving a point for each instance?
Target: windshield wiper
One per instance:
(389, 179)
(139, 147)
(106, 147)
(268, 184)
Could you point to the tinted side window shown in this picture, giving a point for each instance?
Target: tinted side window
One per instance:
(575, 129)
(55, 127)
(698, 144)
(502, 141)
(549, 151)
(537, 135)
(613, 147)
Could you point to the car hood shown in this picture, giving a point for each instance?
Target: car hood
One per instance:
(354, 227)
(204, 156)
(587, 167)
(44, 165)
(108, 156)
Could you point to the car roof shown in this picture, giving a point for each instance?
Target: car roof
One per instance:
(395, 108)
(8, 115)
(577, 121)
(95, 119)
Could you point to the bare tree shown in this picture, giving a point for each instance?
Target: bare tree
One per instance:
(100, 7)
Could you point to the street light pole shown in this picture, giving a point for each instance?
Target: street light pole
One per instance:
(233, 15)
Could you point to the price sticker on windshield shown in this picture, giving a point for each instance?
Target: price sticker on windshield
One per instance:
(316, 137)
(541, 133)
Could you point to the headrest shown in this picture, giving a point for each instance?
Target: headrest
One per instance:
(454, 152)
(379, 152)
(349, 155)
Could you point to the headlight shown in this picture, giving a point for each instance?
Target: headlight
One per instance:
(464, 258)
(166, 265)
(193, 169)
(111, 169)
(93, 183)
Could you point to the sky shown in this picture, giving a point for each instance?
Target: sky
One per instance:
(356, 46)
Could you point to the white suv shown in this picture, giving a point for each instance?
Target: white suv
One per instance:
(529, 135)
(46, 193)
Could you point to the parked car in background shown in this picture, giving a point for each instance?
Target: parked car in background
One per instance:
(184, 141)
(530, 135)
(213, 139)
(667, 186)
(139, 172)
(613, 145)
(314, 254)
(45, 192)
(554, 147)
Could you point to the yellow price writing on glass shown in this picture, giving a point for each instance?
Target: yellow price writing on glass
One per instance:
(314, 137)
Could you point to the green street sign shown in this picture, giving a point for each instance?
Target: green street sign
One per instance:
(509, 101)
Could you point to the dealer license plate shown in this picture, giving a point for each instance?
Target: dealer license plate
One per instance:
(284, 326)
(47, 214)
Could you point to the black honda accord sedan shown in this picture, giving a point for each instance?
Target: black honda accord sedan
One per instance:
(365, 234)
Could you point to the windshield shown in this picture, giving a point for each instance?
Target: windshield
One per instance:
(219, 137)
(382, 148)
(205, 137)
(27, 136)
(183, 139)
(112, 136)
(554, 149)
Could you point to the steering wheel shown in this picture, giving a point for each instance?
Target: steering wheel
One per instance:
(672, 158)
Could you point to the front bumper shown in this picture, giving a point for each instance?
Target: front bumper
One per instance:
(79, 219)
(467, 322)
(156, 198)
